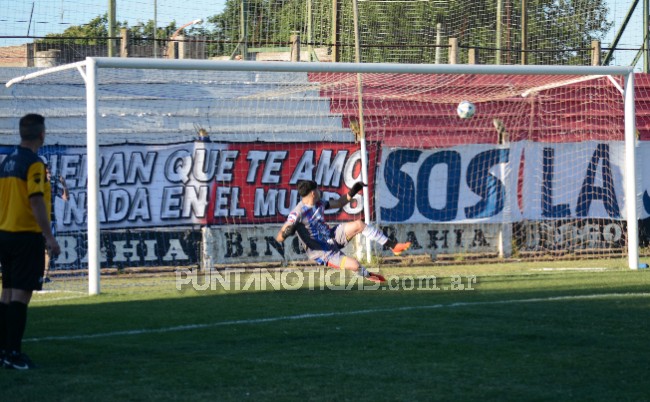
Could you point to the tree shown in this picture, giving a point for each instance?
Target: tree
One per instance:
(225, 34)
(393, 31)
(568, 25)
(95, 32)
(397, 31)
(142, 33)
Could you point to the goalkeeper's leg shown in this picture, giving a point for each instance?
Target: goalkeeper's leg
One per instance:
(339, 260)
(351, 229)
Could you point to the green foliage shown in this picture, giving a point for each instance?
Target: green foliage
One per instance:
(397, 31)
(561, 27)
(95, 32)
(226, 30)
(393, 31)
(142, 33)
(554, 25)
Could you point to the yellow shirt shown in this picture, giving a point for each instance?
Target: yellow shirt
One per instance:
(22, 175)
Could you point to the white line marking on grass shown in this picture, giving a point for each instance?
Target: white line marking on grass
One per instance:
(331, 314)
(589, 269)
(70, 294)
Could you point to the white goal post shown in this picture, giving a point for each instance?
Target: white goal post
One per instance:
(91, 70)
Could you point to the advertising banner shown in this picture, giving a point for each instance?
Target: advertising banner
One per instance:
(199, 183)
(523, 181)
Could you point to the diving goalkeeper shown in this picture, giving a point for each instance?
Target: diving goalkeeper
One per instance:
(324, 244)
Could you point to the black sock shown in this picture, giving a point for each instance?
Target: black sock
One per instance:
(16, 322)
(390, 243)
(3, 326)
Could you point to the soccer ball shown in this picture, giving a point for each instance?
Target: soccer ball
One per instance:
(465, 109)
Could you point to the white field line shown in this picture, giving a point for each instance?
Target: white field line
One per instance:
(54, 299)
(298, 317)
(69, 295)
(572, 269)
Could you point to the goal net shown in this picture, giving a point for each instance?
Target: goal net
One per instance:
(195, 164)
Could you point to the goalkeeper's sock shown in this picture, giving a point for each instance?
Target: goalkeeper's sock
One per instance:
(363, 272)
(16, 322)
(375, 234)
(390, 244)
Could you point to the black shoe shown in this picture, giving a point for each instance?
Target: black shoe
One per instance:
(18, 361)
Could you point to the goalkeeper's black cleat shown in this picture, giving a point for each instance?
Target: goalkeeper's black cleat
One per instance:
(18, 361)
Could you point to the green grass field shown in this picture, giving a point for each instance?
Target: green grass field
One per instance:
(523, 333)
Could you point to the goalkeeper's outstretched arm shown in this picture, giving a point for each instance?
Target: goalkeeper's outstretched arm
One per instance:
(345, 198)
(287, 230)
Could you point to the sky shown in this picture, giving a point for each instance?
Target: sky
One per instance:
(54, 16)
(633, 35)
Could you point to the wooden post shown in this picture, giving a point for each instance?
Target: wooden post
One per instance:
(472, 56)
(243, 21)
(438, 42)
(124, 42)
(453, 50)
(155, 29)
(335, 28)
(30, 49)
(172, 49)
(310, 38)
(497, 55)
(524, 32)
(646, 40)
(295, 47)
(595, 53)
(111, 27)
(181, 45)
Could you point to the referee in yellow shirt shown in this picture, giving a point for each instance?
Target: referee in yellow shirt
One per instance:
(24, 234)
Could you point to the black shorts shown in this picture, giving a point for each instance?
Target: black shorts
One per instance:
(22, 256)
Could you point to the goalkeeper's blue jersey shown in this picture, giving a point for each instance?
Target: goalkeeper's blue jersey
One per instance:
(311, 227)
